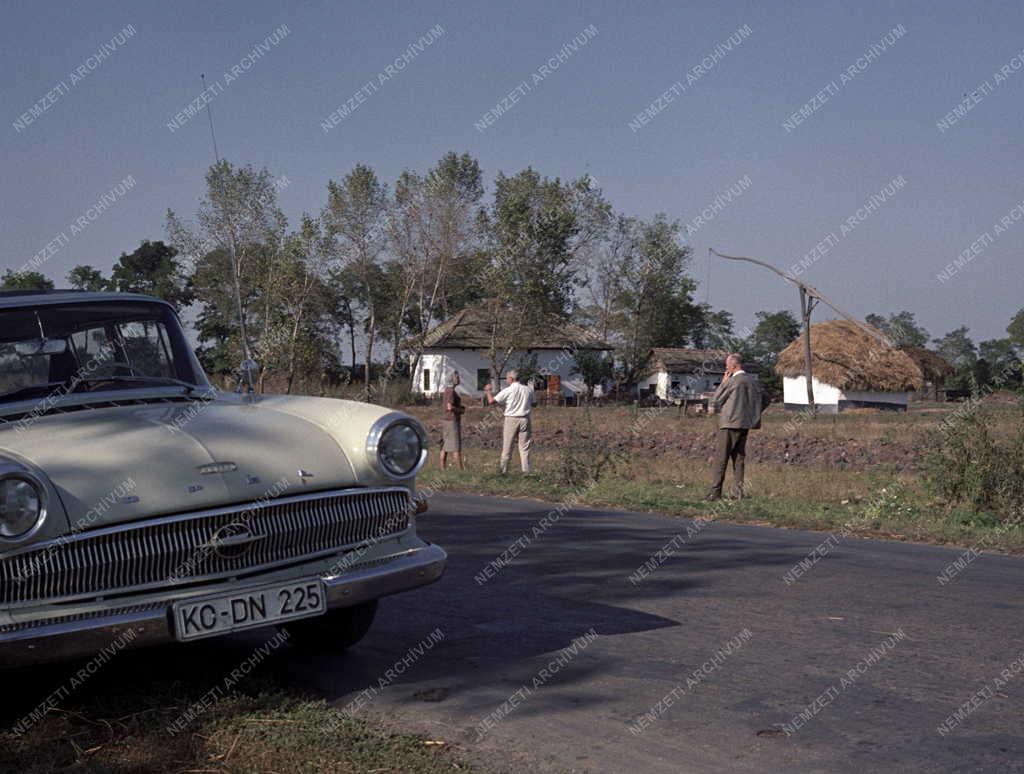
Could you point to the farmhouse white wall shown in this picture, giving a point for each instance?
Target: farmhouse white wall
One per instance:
(794, 392)
(442, 362)
(687, 382)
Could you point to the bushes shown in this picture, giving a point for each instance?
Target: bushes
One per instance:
(967, 465)
(586, 455)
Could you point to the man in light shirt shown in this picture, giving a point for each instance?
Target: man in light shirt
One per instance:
(518, 400)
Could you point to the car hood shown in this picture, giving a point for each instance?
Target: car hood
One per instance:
(121, 463)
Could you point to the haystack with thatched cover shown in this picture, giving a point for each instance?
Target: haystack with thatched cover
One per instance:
(851, 368)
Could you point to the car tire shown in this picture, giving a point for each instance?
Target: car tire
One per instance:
(334, 631)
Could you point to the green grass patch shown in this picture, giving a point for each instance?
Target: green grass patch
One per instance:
(870, 504)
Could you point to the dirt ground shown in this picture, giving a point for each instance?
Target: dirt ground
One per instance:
(849, 443)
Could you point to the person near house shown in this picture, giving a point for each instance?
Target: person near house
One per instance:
(451, 426)
(737, 401)
(518, 400)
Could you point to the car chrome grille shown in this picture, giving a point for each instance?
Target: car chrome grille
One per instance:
(181, 550)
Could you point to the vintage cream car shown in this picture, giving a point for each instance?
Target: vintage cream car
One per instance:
(140, 505)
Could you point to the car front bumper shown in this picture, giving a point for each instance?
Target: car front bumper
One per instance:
(84, 637)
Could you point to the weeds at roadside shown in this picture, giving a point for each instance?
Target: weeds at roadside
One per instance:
(119, 723)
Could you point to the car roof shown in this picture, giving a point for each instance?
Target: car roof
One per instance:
(10, 299)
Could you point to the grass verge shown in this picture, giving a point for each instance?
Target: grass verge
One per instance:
(876, 504)
(118, 722)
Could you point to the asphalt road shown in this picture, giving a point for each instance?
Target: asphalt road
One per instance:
(867, 643)
(558, 661)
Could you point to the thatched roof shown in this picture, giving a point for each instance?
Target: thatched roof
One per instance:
(471, 328)
(847, 357)
(687, 361)
(934, 367)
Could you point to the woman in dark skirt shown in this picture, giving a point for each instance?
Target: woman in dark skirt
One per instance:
(451, 427)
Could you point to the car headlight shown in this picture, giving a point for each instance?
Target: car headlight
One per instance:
(21, 507)
(399, 445)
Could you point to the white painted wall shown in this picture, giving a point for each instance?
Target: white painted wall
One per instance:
(794, 391)
(691, 383)
(442, 362)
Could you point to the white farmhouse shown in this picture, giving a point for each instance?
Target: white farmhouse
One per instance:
(463, 342)
(850, 369)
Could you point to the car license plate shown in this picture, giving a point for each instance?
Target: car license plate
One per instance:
(248, 609)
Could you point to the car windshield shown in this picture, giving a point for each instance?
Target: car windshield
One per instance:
(63, 348)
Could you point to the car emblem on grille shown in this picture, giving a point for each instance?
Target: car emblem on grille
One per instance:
(233, 541)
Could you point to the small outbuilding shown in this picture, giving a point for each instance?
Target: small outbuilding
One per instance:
(676, 373)
(850, 368)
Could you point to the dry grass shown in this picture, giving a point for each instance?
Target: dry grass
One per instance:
(875, 501)
(858, 424)
(118, 721)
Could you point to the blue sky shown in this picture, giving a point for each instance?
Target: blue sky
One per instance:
(727, 125)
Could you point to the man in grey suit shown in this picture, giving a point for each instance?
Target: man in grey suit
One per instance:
(737, 401)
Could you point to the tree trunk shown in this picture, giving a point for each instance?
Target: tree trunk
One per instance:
(371, 331)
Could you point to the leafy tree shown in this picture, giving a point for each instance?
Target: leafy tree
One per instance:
(301, 328)
(655, 298)
(599, 309)
(1016, 329)
(537, 232)
(84, 277)
(356, 222)
(433, 267)
(958, 350)
(1002, 361)
(594, 366)
(712, 330)
(238, 217)
(152, 269)
(25, 280)
(773, 333)
(901, 328)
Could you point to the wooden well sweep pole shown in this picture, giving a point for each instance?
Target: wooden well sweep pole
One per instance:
(809, 298)
(806, 306)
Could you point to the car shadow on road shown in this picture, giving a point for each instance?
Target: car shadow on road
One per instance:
(517, 591)
(547, 587)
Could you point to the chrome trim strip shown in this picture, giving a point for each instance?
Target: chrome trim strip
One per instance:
(360, 520)
(82, 638)
(238, 508)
